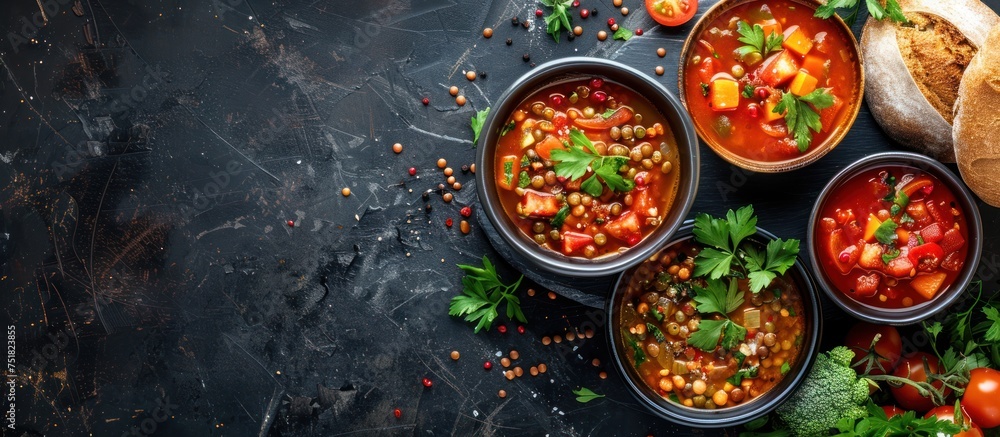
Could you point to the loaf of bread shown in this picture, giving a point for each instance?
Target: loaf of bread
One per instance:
(913, 70)
(977, 122)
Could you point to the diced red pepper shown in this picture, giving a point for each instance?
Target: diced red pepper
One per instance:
(926, 257)
(536, 204)
(953, 262)
(625, 228)
(706, 69)
(545, 148)
(867, 285)
(574, 241)
(779, 69)
(952, 241)
(643, 202)
(932, 233)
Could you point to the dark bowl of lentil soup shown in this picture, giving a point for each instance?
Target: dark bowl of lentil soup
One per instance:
(895, 238)
(654, 320)
(586, 166)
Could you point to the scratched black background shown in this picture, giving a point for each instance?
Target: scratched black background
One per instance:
(153, 152)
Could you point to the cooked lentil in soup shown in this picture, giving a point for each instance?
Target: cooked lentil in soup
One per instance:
(587, 168)
(659, 315)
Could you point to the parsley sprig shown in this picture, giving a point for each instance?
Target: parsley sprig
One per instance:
(482, 294)
(623, 34)
(756, 41)
(717, 298)
(907, 424)
(559, 18)
(891, 10)
(800, 116)
(584, 395)
(726, 251)
(477, 123)
(580, 157)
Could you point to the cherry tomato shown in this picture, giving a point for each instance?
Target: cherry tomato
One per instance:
(671, 12)
(889, 347)
(947, 412)
(913, 368)
(980, 398)
(892, 410)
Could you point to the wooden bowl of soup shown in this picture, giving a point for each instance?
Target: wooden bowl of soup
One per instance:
(654, 321)
(770, 87)
(895, 238)
(586, 166)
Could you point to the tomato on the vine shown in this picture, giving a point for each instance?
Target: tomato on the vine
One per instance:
(671, 12)
(892, 410)
(889, 347)
(913, 368)
(982, 397)
(947, 412)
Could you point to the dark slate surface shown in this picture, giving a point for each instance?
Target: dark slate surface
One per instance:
(153, 152)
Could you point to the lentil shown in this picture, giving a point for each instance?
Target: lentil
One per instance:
(346, 191)
(487, 32)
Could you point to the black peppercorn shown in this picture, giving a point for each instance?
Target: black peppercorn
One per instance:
(526, 57)
(465, 168)
(514, 21)
(510, 41)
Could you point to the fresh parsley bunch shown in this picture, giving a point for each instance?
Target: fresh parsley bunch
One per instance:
(482, 294)
(875, 9)
(800, 116)
(580, 157)
(559, 18)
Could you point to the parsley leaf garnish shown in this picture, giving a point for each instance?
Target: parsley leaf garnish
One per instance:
(877, 423)
(748, 91)
(584, 395)
(756, 41)
(580, 157)
(560, 217)
(482, 294)
(717, 298)
(608, 113)
(800, 116)
(993, 332)
(623, 34)
(477, 123)
(886, 232)
(875, 9)
(507, 128)
(559, 18)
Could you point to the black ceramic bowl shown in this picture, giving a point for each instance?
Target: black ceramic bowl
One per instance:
(719, 417)
(916, 313)
(568, 69)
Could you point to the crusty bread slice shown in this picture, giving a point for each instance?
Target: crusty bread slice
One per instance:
(912, 71)
(977, 122)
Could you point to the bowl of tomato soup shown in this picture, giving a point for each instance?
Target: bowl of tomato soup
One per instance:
(895, 238)
(657, 314)
(586, 166)
(770, 87)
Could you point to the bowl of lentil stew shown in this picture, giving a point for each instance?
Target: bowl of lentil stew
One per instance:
(653, 315)
(586, 166)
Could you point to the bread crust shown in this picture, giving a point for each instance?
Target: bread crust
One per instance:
(977, 122)
(895, 99)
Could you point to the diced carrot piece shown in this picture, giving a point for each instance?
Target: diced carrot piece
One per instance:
(804, 83)
(545, 148)
(574, 241)
(797, 41)
(902, 234)
(871, 227)
(537, 204)
(899, 267)
(932, 233)
(815, 65)
(769, 114)
(779, 69)
(867, 285)
(871, 257)
(625, 227)
(771, 26)
(952, 240)
(724, 94)
(505, 177)
(928, 285)
(828, 116)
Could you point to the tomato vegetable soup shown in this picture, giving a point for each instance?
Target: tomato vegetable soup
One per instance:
(586, 168)
(892, 237)
(769, 82)
(666, 307)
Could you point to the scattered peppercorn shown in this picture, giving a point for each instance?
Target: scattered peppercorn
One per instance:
(526, 57)
(426, 101)
(510, 41)
(542, 368)
(441, 188)
(472, 168)
(578, 30)
(602, 35)
(552, 295)
(455, 355)
(638, 32)
(531, 292)
(456, 186)
(465, 168)
(471, 75)
(659, 70)
(539, 13)
(346, 191)
(465, 211)
(617, 3)
(448, 171)
(518, 371)
(451, 180)
(533, 370)
(614, 27)
(448, 222)
(526, 24)
(611, 22)
(427, 382)
(502, 393)
(413, 172)
(482, 74)
(576, 3)
(514, 355)
(426, 195)
(596, 362)
(428, 208)
(505, 362)
(509, 375)
(594, 12)
(291, 223)
(661, 52)
(571, 36)
(603, 375)
(513, 21)
(487, 32)
(398, 148)
(487, 365)
(502, 329)
(398, 413)
(520, 329)
(584, 13)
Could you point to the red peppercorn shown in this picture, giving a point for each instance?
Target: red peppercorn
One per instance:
(291, 223)
(502, 329)
(638, 32)
(557, 99)
(754, 110)
(762, 93)
(487, 365)
(413, 171)
(576, 3)
(596, 83)
(449, 222)
(640, 181)
(611, 22)
(584, 13)
(599, 96)
(398, 413)
(466, 211)
(426, 101)
(539, 13)
(427, 382)
(520, 329)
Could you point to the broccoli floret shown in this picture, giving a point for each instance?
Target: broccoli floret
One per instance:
(832, 390)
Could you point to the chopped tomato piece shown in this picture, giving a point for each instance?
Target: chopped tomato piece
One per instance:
(940, 214)
(706, 69)
(871, 256)
(545, 148)
(841, 251)
(932, 233)
(804, 83)
(625, 227)
(844, 215)
(952, 241)
(929, 284)
(899, 267)
(643, 202)
(871, 227)
(953, 262)
(927, 257)
(724, 95)
(797, 41)
(779, 69)
(828, 116)
(574, 241)
(537, 204)
(828, 224)
(867, 285)
(621, 116)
